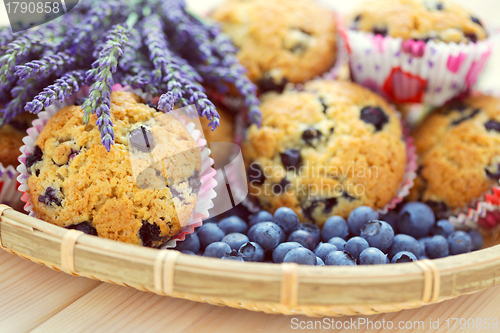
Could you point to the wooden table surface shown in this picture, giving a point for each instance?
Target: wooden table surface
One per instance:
(34, 298)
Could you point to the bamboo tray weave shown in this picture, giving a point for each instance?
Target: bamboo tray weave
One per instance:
(286, 288)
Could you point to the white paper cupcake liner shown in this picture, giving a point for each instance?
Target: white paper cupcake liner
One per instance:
(9, 195)
(206, 193)
(412, 71)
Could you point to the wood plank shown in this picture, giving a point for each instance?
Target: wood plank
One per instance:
(31, 293)
(110, 308)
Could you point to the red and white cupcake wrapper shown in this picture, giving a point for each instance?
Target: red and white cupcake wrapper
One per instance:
(206, 193)
(412, 71)
(9, 195)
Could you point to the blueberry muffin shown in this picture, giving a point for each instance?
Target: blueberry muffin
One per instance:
(459, 154)
(439, 20)
(11, 138)
(142, 192)
(280, 41)
(324, 150)
(223, 133)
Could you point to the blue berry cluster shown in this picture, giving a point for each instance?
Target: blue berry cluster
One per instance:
(408, 234)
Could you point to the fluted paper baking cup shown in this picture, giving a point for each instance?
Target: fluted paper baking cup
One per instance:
(9, 195)
(206, 193)
(410, 71)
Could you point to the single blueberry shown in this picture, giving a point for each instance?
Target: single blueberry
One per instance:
(440, 209)
(84, 227)
(273, 225)
(421, 242)
(471, 36)
(217, 250)
(149, 233)
(416, 219)
(374, 115)
(493, 175)
(356, 245)
(378, 234)
(439, 6)
(142, 139)
(35, 157)
(443, 228)
(234, 255)
(340, 258)
(311, 136)
(49, 197)
(291, 158)
(467, 117)
(313, 229)
(319, 262)
(209, 233)
(335, 226)
(261, 216)
(266, 235)
(255, 174)
(281, 250)
(405, 243)
(190, 243)
(402, 257)
(359, 217)
(235, 240)
(304, 238)
(477, 240)
(323, 249)
(492, 125)
(287, 219)
(380, 31)
(392, 217)
(300, 256)
(437, 247)
(268, 83)
(233, 224)
(357, 18)
(372, 256)
(459, 242)
(252, 251)
(338, 242)
(476, 20)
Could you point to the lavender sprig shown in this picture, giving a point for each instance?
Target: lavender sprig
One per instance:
(62, 89)
(99, 101)
(51, 64)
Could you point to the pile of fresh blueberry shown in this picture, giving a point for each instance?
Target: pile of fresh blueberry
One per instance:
(409, 234)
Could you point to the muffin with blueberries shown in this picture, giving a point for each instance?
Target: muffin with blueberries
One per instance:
(417, 51)
(419, 20)
(459, 154)
(280, 41)
(141, 192)
(324, 149)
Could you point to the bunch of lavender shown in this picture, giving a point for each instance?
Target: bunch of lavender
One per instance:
(154, 45)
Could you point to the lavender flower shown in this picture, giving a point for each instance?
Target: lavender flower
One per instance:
(101, 73)
(62, 89)
(51, 64)
(170, 53)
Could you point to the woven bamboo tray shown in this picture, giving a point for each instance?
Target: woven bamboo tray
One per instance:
(271, 288)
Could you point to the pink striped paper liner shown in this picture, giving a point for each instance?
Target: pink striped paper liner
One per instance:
(8, 187)
(207, 174)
